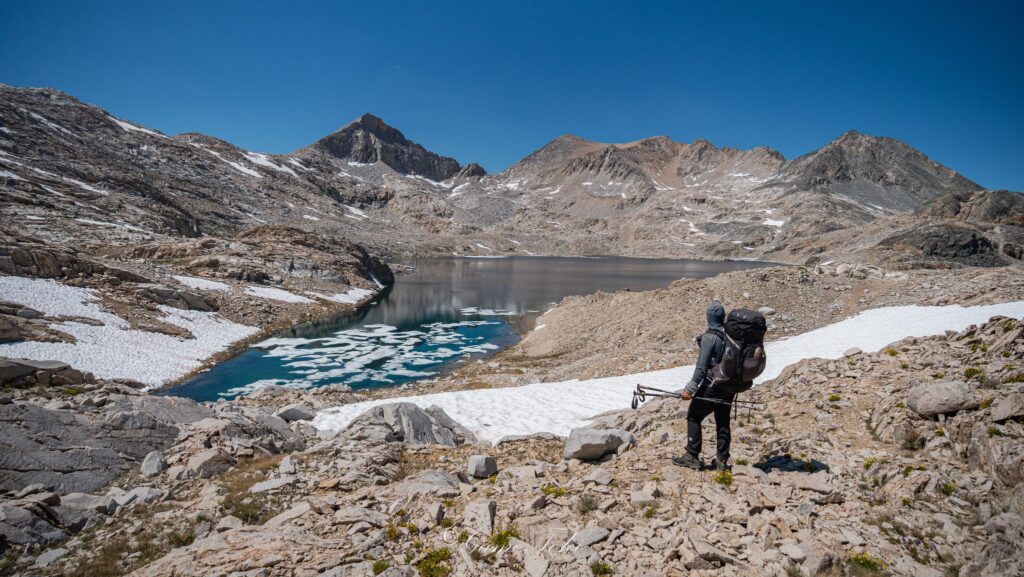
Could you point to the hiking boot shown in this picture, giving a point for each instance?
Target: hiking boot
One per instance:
(719, 465)
(688, 461)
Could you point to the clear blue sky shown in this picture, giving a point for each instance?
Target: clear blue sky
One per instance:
(491, 81)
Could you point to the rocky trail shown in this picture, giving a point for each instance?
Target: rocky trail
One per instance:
(905, 461)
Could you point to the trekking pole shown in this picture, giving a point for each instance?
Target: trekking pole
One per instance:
(642, 392)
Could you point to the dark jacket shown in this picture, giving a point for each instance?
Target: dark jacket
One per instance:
(711, 347)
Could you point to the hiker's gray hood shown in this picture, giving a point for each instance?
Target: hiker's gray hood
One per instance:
(716, 316)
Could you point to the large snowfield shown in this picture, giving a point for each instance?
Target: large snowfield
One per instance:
(115, 350)
(559, 407)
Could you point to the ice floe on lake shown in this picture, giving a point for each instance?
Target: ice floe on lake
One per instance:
(558, 407)
(373, 355)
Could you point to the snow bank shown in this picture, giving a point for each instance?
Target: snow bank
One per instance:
(115, 350)
(202, 283)
(275, 294)
(558, 407)
(350, 297)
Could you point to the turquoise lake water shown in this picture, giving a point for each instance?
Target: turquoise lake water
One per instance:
(446, 310)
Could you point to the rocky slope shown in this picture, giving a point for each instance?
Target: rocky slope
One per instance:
(67, 167)
(901, 462)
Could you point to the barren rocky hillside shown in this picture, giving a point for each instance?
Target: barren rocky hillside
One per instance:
(74, 172)
(900, 462)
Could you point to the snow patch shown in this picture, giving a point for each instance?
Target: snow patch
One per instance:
(201, 283)
(264, 160)
(51, 125)
(115, 350)
(775, 223)
(275, 294)
(127, 127)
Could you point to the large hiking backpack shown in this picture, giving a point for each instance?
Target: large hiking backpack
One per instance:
(743, 359)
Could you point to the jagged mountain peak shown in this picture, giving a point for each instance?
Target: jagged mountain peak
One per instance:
(368, 139)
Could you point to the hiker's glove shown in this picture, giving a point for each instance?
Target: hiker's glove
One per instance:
(690, 390)
(686, 396)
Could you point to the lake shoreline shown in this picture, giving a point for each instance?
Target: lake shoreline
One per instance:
(425, 287)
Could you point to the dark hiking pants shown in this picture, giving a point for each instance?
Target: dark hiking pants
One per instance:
(699, 410)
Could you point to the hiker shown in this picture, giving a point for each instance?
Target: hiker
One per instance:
(712, 346)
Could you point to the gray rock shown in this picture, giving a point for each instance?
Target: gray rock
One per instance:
(50, 556)
(86, 502)
(591, 444)
(352, 515)
(408, 422)
(930, 399)
(428, 482)
(590, 535)
(481, 466)
(766, 311)
(599, 476)
(21, 526)
(153, 464)
(227, 523)
(1009, 407)
(208, 462)
(479, 515)
(296, 412)
(272, 484)
(146, 495)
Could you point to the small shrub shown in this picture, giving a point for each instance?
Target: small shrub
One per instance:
(1017, 378)
(72, 391)
(601, 568)
(723, 478)
(834, 398)
(552, 490)
(938, 376)
(994, 431)
(434, 563)
(501, 539)
(463, 536)
(651, 511)
(940, 432)
(447, 523)
(907, 471)
(948, 487)
(901, 405)
(741, 462)
(971, 372)
(913, 441)
(380, 566)
(865, 561)
(891, 352)
(586, 504)
(869, 462)
(391, 533)
(411, 527)
(906, 501)
(182, 538)
(986, 403)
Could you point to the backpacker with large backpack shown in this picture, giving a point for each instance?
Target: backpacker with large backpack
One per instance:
(743, 359)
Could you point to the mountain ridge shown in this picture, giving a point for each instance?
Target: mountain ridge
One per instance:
(72, 162)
